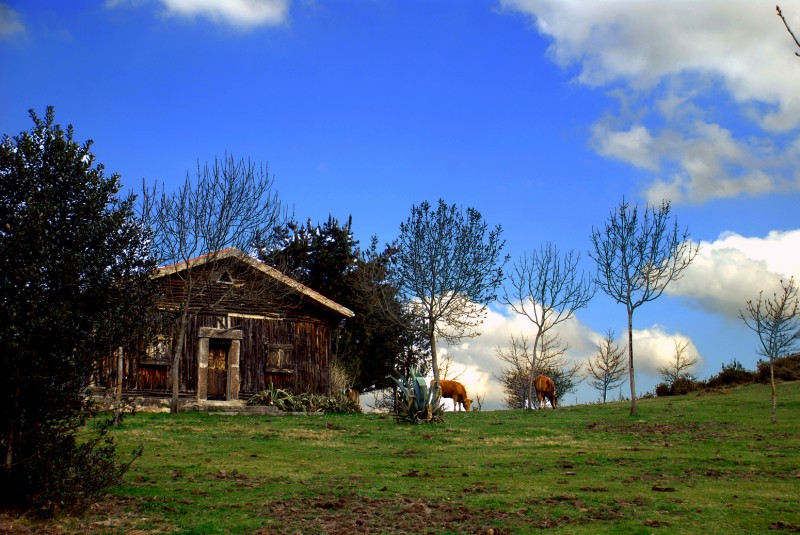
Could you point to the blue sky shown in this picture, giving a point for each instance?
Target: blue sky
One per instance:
(542, 114)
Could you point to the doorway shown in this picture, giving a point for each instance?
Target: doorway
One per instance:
(218, 368)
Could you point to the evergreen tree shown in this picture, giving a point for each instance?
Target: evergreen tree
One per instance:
(327, 259)
(74, 284)
(377, 343)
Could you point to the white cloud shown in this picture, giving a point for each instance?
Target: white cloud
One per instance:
(10, 22)
(707, 163)
(641, 42)
(634, 146)
(709, 89)
(243, 14)
(732, 270)
(475, 362)
(240, 13)
(654, 348)
(477, 358)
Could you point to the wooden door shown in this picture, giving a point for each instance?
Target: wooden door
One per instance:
(217, 371)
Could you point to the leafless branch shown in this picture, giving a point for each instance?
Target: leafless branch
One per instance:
(780, 14)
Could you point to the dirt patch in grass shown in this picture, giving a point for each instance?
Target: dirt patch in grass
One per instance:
(351, 514)
(338, 515)
(785, 527)
(693, 430)
(115, 514)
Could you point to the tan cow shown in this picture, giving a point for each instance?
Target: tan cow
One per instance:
(545, 388)
(455, 391)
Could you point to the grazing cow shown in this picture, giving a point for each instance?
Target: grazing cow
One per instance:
(353, 395)
(545, 388)
(455, 391)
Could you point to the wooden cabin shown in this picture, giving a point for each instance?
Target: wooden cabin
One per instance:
(249, 326)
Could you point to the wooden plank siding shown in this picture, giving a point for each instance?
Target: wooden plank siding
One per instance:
(285, 327)
(305, 366)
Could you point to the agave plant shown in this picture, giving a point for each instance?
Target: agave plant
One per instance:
(416, 402)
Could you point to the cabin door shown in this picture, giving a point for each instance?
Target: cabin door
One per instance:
(217, 370)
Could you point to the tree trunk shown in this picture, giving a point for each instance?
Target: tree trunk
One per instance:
(11, 434)
(772, 383)
(120, 378)
(176, 361)
(605, 384)
(630, 362)
(434, 356)
(533, 368)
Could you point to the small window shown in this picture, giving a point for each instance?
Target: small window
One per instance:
(225, 278)
(279, 357)
(160, 348)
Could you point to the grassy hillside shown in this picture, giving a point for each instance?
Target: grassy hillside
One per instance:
(707, 463)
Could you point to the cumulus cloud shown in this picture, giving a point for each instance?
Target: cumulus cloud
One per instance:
(240, 13)
(702, 162)
(711, 106)
(476, 365)
(475, 362)
(476, 358)
(732, 270)
(10, 22)
(634, 145)
(243, 14)
(655, 348)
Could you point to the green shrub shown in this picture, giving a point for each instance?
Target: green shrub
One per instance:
(679, 387)
(785, 369)
(684, 385)
(71, 469)
(732, 374)
(662, 390)
(286, 401)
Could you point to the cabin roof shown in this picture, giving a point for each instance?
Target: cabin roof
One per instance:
(233, 252)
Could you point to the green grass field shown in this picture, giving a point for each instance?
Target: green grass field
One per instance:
(707, 463)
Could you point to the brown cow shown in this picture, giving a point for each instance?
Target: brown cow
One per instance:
(456, 391)
(545, 388)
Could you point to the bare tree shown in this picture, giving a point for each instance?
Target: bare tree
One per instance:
(607, 367)
(777, 323)
(679, 365)
(231, 204)
(547, 289)
(514, 377)
(637, 256)
(788, 29)
(447, 268)
(479, 399)
(552, 362)
(446, 367)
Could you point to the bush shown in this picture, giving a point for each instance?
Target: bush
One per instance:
(732, 374)
(76, 285)
(684, 385)
(67, 474)
(679, 387)
(785, 369)
(286, 401)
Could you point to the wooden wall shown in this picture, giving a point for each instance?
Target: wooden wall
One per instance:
(289, 353)
(286, 337)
